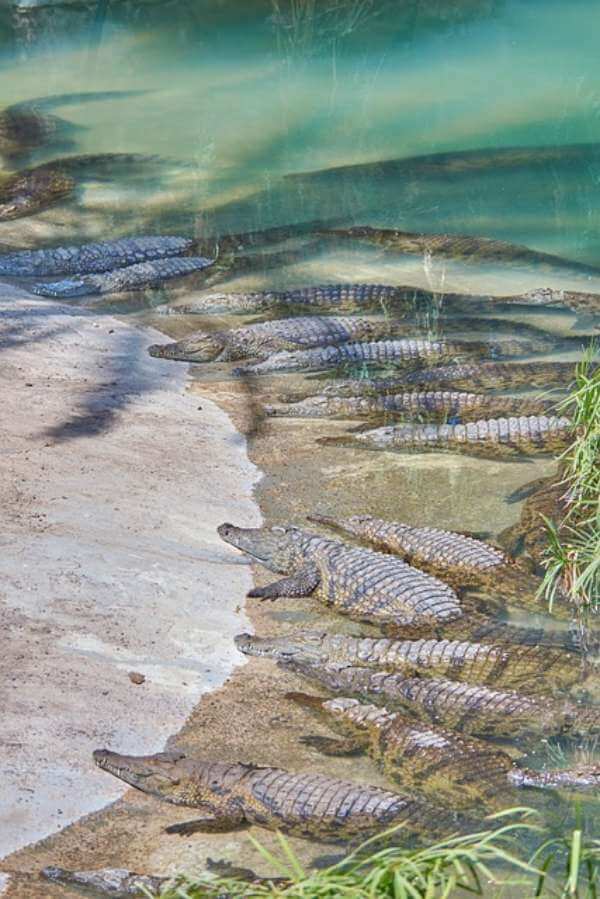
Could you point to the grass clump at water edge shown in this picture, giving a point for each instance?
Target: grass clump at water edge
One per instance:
(479, 864)
(572, 558)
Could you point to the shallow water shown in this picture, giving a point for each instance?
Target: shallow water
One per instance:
(272, 113)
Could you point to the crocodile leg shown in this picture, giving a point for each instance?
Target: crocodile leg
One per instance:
(333, 746)
(216, 820)
(302, 583)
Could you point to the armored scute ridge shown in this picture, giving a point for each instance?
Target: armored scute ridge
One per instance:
(472, 709)
(134, 277)
(360, 583)
(499, 665)
(459, 771)
(272, 336)
(425, 404)
(351, 297)
(491, 438)
(377, 353)
(91, 257)
(460, 560)
(309, 805)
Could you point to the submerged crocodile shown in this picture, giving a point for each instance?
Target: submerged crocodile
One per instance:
(309, 805)
(459, 559)
(460, 772)
(132, 277)
(91, 257)
(500, 665)
(578, 301)
(460, 247)
(471, 709)
(378, 353)
(493, 438)
(530, 533)
(441, 404)
(263, 338)
(360, 583)
(348, 297)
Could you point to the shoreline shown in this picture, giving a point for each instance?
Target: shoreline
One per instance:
(114, 480)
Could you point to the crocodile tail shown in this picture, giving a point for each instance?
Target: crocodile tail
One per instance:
(328, 520)
(40, 103)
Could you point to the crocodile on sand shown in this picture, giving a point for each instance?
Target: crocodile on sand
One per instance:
(91, 257)
(494, 438)
(263, 338)
(458, 771)
(472, 709)
(424, 404)
(536, 669)
(132, 277)
(309, 805)
(360, 583)
(458, 559)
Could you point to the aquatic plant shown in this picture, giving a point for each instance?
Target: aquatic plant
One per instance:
(473, 862)
(572, 558)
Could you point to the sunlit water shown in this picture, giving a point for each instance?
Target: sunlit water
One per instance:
(251, 104)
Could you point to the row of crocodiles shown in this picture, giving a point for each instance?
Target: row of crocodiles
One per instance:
(444, 674)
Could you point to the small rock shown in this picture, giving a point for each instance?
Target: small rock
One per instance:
(136, 678)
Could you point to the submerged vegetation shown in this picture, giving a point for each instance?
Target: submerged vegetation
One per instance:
(572, 559)
(490, 862)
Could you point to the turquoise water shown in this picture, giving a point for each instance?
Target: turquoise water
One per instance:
(350, 112)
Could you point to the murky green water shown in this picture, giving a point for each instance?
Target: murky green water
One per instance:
(279, 113)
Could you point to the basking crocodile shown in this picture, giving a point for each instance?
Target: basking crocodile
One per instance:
(263, 338)
(116, 882)
(309, 805)
(378, 353)
(132, 277)
(493, 438)
(459, 772)
(360, 583)
(460, 247)
(499, 665)
(471, 709)
(460, 560)
(91, 257)
(447, 405)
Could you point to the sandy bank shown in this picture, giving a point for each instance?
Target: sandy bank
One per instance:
(113, 482)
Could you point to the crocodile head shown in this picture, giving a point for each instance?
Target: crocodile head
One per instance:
(197, 347)
(304, 645)
(274, 547)
(166, 775)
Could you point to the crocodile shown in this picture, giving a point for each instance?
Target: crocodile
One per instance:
(446, 405)
(460, 247)
(472, 709)
(458, 559)
(458, 771)
(530, 533)
(27, 125)
(378, 353)
(91, 257)
(499, 665)
(140, 276)
(116, 882)
(360, 583)
(309, 805)
(579, 301)
(463, 376)
(346, 297)
(31, 190)
(492, 438)
(263, 338)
